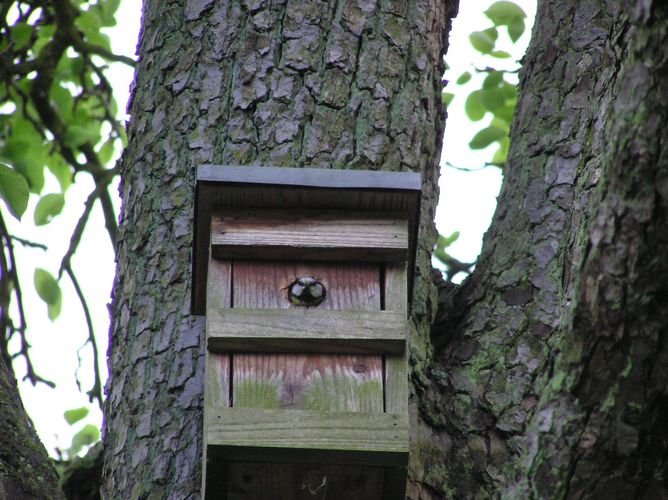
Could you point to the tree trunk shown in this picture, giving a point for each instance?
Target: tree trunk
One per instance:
(550, 373)
(287, 83)
(26, 472)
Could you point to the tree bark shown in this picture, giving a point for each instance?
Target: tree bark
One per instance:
(289, 83)
(26, 471)
(549, 380)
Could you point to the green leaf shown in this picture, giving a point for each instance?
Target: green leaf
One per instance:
(60, 170)
(504, 12)
(492, 79)
(27, 158)
(446, 241)
(47, 286)
(473, 106)
(48, 207)
(482, 41)
(73, 416)
(463, 78)
(501, 154)
(447, 97)
(13, 190)
(106, 152)
(88, 435)
(76, 135)
(53, 310)
(21, 33)
(487, 136)
(500, 54)
(441, 255)
(492, 99)
(515, 29)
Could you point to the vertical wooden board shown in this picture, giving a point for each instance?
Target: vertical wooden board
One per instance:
(217, 390)
(303, 482)
(307, 381)
(396, 367)
(263, 284)
(219, 284)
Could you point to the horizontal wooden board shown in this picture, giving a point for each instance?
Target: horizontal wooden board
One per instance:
(308, 382)
(301, 235)
(306, 330)
(272, 432)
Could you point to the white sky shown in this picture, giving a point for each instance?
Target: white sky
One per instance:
(467, 204)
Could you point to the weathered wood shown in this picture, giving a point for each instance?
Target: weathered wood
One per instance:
(383, 435)
(304, 235)
(306, 330)
(263, 284)
(213, 194)
(310, 177)
(297, 381)
(396, 367)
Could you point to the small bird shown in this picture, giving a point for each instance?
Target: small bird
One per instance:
(306, 291)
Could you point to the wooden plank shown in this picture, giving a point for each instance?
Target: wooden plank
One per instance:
(303, 235)
(277, 430)
(323, 383)
(310, 177)
(343, 383)
(306, 330)
(217, 374)
(396, 366)
(253, 481)
(264, 284)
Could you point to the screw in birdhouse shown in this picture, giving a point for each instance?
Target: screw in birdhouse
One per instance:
(306, 291)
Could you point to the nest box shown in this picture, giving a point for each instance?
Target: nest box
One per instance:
(303, 275)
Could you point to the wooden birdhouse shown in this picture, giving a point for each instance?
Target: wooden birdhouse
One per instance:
(303, 275)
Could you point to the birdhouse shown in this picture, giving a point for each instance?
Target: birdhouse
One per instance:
(304, 277)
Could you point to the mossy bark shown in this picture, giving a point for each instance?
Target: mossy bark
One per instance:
(26, 471)
(550, 380)
(346, 84)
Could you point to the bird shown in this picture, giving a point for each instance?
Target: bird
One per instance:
(306, 291)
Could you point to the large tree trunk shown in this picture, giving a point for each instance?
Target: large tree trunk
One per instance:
(290, 83)
(551, 369)
(26, 472)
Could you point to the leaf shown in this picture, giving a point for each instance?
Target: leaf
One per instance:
(501, 154)
(60, 170)
(76, 414)
(492, 99)
(482, 41)
(487, 136)
(106, 152)
(13, 190)
(463, 78)
(48, 207)
(473, 106)
(47, 286)
(76, 135)
(500, 54)
(492, 79)
(53, 310)
(88, 435)
(21, 33)
(504, 12)
(516, 29)
(441, 255)
(446, 241)
(447, 97)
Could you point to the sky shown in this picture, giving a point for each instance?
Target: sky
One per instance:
(467, 202)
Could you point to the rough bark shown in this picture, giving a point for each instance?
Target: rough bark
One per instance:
(351, 84)
(551, 367)
(26, 471)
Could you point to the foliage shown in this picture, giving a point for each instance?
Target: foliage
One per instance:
(58, 120)
(495, 99)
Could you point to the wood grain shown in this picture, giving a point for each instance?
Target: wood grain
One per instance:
(326, 381)
(311, 430)
(307, 330)
(319, 235)
(396, 366)
(263, 284)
